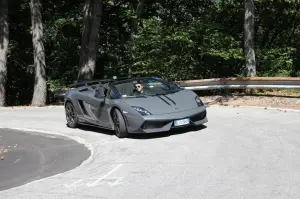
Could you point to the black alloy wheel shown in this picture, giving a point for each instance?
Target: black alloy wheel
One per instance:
(71, 115)
(119, 124)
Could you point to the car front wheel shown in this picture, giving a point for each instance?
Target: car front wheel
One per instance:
(119, 124)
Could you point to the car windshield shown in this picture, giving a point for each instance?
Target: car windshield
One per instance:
(144, 87)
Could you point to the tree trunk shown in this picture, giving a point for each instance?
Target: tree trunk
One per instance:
(249, 38)
(40, 84)
(139, 12)
(4, 34)
(90, 36)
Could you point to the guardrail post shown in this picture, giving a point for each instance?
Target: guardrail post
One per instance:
(226, 89)
(249, 91)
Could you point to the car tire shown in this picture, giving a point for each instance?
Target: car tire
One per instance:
(71, 116)
(119, 124)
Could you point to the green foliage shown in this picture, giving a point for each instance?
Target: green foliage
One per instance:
(276, 62)
(177, 40)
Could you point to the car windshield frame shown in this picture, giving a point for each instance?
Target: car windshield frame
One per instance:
(172, 88)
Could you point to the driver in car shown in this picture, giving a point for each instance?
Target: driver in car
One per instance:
(139, 88)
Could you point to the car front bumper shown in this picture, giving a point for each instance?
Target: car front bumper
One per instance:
(165, 122)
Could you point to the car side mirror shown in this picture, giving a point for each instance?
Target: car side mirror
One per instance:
(100, 93)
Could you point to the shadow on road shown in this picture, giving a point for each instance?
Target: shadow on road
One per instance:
(31, 156)
(145, 136)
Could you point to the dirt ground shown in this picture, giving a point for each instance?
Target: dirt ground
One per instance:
(267, 100)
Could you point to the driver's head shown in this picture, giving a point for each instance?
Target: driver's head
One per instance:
(139, 87)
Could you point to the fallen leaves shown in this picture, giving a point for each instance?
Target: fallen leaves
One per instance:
(2, 151)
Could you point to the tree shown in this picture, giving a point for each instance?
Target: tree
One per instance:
(40, 83)
(139, 11)
(249, 38)
(89, 41)
(4, 34)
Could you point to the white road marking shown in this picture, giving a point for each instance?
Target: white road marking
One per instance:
(72, 185)
(106, 142)
(17, 160)
(103, 177)
(118, 181)
(89, 178)
(78, 181)
(113, 181)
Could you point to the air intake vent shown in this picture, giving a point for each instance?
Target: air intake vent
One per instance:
(83, 107)
(199, 116)
(154, 124)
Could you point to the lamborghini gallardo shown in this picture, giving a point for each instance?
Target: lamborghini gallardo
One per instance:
(133, 105)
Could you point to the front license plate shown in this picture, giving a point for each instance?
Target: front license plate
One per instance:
(181, 122)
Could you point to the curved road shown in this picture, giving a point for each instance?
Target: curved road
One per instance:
(31, 156)
(242, 153)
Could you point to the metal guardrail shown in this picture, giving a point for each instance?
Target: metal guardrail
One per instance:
(229, 83)
(242, 83)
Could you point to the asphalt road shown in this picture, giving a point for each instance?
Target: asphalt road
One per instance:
(31, 156)
(242, 153)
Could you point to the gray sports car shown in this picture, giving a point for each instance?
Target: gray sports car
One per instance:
(133, 105)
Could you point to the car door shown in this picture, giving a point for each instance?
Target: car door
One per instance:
(99, 106)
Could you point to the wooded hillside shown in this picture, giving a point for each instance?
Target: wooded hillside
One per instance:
(59, 41)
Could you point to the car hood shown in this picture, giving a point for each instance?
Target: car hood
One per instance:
(163, 104)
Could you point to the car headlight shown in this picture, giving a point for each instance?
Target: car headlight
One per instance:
(199, 101)
(141, 110)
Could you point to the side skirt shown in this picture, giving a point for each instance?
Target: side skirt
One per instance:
(94, 125)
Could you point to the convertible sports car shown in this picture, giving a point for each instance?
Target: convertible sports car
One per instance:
(133, 105)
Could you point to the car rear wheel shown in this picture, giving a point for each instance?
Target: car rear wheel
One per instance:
(71, 116)
(119, 124)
